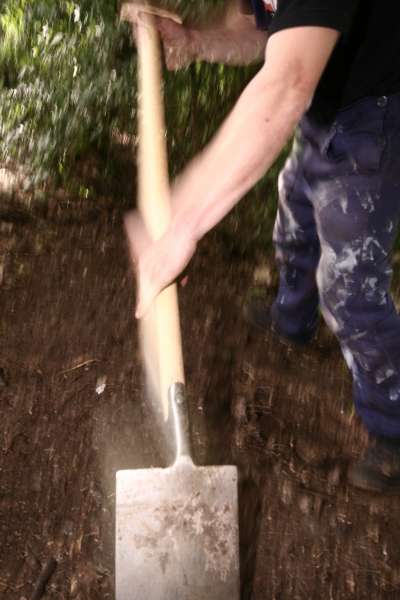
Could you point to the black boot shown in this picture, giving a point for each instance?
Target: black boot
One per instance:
(378, 470)
(257, 312)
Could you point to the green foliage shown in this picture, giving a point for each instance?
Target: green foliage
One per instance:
(197, 100)
(65, 82)
(67, 86)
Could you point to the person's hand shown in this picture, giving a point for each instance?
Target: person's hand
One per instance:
(177, 42)
(157, 264)
(176, 38)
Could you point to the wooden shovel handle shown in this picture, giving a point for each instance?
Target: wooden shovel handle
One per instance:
(154, 197)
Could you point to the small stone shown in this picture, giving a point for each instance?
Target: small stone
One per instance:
(68, 527)
(305, 477)
(287, 492)
(305, 505)
(263, 275)
(101, 384)
(74, 586)
(374, 507)
(350, 582)
(239, 409)
(373, 532)
(334, 476)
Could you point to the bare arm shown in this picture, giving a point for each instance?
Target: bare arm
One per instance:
(245, 147)
(254, 134)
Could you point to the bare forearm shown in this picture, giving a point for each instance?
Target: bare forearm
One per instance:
(242, 151)
(228, 46)
(244, 148)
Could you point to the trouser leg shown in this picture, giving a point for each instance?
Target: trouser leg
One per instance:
(295, 309)
(357, 211)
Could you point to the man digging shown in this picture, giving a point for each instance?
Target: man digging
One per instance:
(331, 76)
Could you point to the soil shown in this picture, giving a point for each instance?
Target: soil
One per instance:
(73, 410)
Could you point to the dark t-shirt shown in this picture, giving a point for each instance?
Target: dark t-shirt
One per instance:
(366, 60)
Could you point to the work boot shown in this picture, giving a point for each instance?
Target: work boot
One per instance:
(257, 313)
(378, 470)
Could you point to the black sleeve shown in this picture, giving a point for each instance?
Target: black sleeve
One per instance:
(335, 14)
(261, 15)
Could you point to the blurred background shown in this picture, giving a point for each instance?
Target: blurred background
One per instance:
(72, 402)
(68, 102)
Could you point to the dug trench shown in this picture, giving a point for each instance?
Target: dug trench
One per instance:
(73, 410)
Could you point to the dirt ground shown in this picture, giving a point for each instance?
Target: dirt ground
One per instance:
(73, 410)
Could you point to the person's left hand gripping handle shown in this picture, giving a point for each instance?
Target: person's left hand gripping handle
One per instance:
(159, 263)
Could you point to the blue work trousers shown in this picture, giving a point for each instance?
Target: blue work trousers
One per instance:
(337, 221)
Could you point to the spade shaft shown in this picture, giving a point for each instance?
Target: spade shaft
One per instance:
(154, 203)
(177, 527)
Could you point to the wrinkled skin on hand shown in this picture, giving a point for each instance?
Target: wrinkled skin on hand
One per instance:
(157, 264)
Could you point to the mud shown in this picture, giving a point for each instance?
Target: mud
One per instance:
(73, 410)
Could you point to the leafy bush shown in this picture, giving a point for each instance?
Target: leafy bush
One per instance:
(67, 83)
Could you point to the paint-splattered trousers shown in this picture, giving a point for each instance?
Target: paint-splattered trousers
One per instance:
(337, 220)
